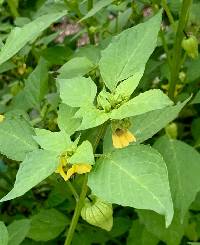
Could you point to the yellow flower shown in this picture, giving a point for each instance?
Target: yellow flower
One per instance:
(60, 169)
(79, 169)
(2, 117)
(122, 137)
(75, 168)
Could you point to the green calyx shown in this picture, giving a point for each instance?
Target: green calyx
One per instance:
(70, 151)
(190, 45)
(98, 213)
(172, 130)
(108, 101)
(120, 124)
(103, 101)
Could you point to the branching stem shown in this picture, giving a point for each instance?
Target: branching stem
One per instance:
(72, 189)
(177, 50)
(169, 15)
(77, 212)
(81, 199)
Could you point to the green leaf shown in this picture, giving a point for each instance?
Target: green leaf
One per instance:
(194, 13)
(91, 117)
(19, 37)
(183, 166)
(122, 20)
(97, 7)
(20, 101)
(47, 225)
(138, 235)
(7, 66)
(84, 154)
(77, 91)
(195, 206)
(59, 193)
(146, 125)
(47, 7)
(195, 128)
(52, 141)
(37, 166)
(66, 120)
(54, 55)
(120, 226)
(17, 231)
(16, 138)
(127, 87)
(135, 176)
(129, 51)
(196, 99)
(3, 234)
(155, 224)
(36, 85)
(153, 99)
(78, 66)
(193, 73)
(90, 51)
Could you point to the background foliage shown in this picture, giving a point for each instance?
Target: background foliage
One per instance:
(47, 46)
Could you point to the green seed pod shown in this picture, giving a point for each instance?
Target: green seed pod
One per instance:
(98, 213)
(171, 130)
(190, 45)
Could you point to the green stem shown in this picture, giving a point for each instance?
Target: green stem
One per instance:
(100, 135)
(90, 34)
(77, 212)
(90, 4)
(117, 23)
(13, 8)
(73, 190)
(169, 15)
(83, 194)
(177, 50)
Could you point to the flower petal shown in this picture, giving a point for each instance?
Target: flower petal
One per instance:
(130, 137)
(82, 168)
(116, 141)
(60, 171)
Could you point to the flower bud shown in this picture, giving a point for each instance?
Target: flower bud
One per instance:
(190, 45)
(182, 76)
(103, 101)
(22, 69)
(98, 213)
(2, 117)
(92, 29)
